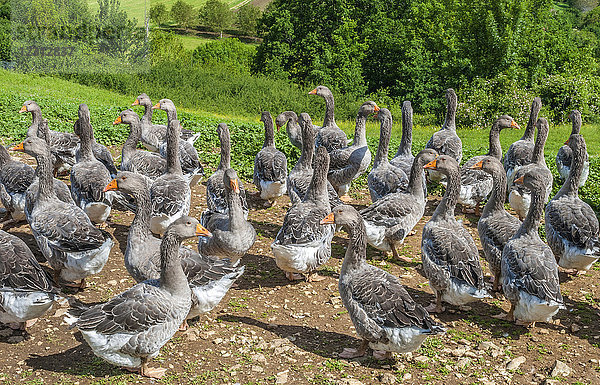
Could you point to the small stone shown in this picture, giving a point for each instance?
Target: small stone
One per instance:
(487, 345)
(349, 381)
(387, 378)
(561, 369)
(465, 342)
(463, 362)
(515, 363)
(595, 361)
(459, 352)
(421, 359)
(257, 369)
(218, 341)
(575, 328)
(543, 331)
(281, 377)
(551, 382)
(259, 357)
(15, 339)
(406, 376)
(112, 282)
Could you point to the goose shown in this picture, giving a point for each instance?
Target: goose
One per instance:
(351, 162)
(450, 256)
(209, 278)
(270, 165)
(496, 226)
(101, 152)
(89, 176)
(520, 152)
(476, 185)
(26, 292)
(130, 329)
(143, 162)
(529, 270)
(384, 314)
(571, 224)
(404, 157)
(330, 135)
(63, 145)
(216, 202)
(188, 156)
(292, 128)
(15, 178)
(446, 141)
(171, 193)
(153, 135)
(301, 244)
(564, 155)
(385, 178)
(232, 235)
(69, 241)
(390, 219)
(301, 175)
(519, 196)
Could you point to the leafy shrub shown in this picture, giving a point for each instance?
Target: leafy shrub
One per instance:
(562, 94)
(230, 53)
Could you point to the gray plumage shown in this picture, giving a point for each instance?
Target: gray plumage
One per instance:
(329, 135)
(520, 152)
(15, 178)
(101, 152)
(385, 178)
(292, 128)
(529, 271)
(496, 226)
(382, 311)
(270, 165)
(572, 229)
(564, 156)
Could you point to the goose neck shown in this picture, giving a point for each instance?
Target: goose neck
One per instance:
(269, 134)
(406, 141)
(317, 190)
(534, 216)
(225, 161)
(173, 161)
(4, 156)
(495, 149)
(571, 185)
(540, 142)
(384, 142)
(135, 133)
(36, 120)
(446, 207)
(360, 131)
(44, 173)
(172, 277)
(329, 120)
(357, 245)
(236, 212)
(147, 117)
(86, 140)
(450, 121)
(140, 226)
(498, 195)
(415, 179)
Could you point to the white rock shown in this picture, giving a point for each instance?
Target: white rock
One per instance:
(459, 352)
(282, 377)
(406, 376)
(515, 363)
(487, 345)
(349, 381)
(575, 328)
(257, 368)
(463, 362)
(387, 378)
(560, 369)
(422, 359)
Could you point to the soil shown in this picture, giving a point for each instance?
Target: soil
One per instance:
(268, 330)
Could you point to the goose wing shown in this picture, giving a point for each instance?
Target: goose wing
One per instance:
(270, 165)
(301, 224)
(574, 221)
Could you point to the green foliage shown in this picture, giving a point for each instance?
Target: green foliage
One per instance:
(183, 14)
(217, 15)
(166, 46)
(247, 19)
(158, 13)
(563, 94)
(229, 53)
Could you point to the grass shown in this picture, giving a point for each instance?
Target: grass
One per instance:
(190, 42)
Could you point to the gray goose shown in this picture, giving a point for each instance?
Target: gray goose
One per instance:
(496, 226)
(519, 196)
(520, 152)
(301, 175)
(329, 135)
(232, 234)
(130, 329)
(572, 229)
(26, 292)
(529, 270)
(292, 128)
(383, 313)
(101, 152)
(15, 178)
(404, 157)
(143, 162)
(390, 219)
(89, 176)
(63, 145)
(446, 141)
(209, 277)
(171, 193)
(385, 178)
(188, 155)
(565, 156)
(450, 256)
(153, 135)
(270, 165)
(351, 162)
(301, 244)
(73, 246)
(476, 185)
(216, 202)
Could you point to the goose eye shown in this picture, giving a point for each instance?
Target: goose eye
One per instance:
(189, 223)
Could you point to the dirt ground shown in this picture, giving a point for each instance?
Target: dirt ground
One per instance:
(268, 330)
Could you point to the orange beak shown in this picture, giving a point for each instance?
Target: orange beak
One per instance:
(567, 142)
(23, 109)
(514, 124)
(235, 186)
(117, 120)
(278, 126)
(156, 106)
(519, 180)
(328, 220)
(377, 108)
(111, 186)
(17, 147)
(477, 166)
(202, 231)
(431, 165)
(313, 92)
(136, 103)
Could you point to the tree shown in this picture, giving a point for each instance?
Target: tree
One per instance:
(247, 19)
(183, 14)
(217, 15)
(158, 13)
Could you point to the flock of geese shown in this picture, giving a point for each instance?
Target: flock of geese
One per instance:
(177, 283)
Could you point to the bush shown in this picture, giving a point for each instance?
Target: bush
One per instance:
(230, 52)
(562, 94)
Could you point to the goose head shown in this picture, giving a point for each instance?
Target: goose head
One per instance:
(29, 106)
(128, 117)
(444, 164)
(187, 227)
(128, 182)
(32, 145)
(322, 91)
(535, 179)
(342, 215)
(142, 100)
(165, 105)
